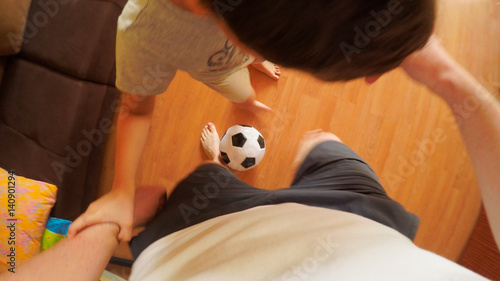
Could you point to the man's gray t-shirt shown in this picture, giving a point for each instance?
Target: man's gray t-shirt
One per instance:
(156, 37)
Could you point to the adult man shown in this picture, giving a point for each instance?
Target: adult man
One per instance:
(297, 241)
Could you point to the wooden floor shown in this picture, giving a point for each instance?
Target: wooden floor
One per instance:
(401, 129)
(481, 252)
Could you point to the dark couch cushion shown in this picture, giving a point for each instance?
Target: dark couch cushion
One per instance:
(30, 160)
(50, 108)
(53, 128)
(76, 37)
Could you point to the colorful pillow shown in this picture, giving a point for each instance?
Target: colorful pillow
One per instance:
(55, 230)
(23, 218)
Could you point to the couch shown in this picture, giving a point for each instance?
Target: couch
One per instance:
(57, 93)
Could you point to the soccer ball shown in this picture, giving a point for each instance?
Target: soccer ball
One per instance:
(242, 147)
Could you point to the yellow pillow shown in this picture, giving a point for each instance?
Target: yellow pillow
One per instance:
(25, 205)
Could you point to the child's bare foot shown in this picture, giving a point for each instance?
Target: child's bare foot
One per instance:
(309, 141)
(268, 68)
(210, 142)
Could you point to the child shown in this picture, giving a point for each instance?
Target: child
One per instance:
(156, 38)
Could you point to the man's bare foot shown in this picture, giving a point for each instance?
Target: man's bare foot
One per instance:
(268, 68)
(309, 141)
(210, 142)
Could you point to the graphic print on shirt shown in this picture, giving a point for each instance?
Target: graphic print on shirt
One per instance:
(229, 57)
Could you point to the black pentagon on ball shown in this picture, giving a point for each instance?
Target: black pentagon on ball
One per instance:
(238, 140)
(224, 157)
(261, 141)
(249, 162)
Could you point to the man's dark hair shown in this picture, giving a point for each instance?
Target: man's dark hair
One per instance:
(331, 39)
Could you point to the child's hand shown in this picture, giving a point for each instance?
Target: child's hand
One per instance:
(115, 207)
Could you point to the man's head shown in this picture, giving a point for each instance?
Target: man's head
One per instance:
(333, 40)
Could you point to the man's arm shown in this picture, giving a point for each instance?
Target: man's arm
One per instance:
(480, 127)
(118, 205)
(80, 258)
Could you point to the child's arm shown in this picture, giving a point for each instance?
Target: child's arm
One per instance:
(480, 128)
(117, 206)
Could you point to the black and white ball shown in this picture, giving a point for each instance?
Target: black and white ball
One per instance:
(242, 147)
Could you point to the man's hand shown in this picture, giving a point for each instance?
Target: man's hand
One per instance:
(117, 206)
